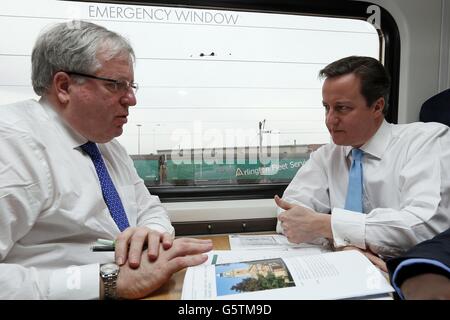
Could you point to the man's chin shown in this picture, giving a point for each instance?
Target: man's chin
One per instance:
(109, 137)
(117, 132)
(345, 144)
(337, 141)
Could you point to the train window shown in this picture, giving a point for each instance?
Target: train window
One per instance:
(229, 98)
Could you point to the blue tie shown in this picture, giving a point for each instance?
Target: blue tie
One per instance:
(355, 183)
(109, 192)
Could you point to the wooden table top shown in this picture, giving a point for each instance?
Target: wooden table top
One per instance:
(172, 289)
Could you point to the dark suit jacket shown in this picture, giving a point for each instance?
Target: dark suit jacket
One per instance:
(437, 108)
(437, 248)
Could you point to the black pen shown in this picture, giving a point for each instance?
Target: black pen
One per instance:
(97, 248)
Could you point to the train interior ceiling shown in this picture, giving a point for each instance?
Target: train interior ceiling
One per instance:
(229, 102)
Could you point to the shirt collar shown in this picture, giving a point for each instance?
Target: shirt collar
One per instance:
(74, 138)
(377, 145)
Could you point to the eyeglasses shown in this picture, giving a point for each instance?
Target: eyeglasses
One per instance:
(115, 85)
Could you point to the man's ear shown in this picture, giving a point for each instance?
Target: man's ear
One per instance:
(378, 105)
(61, 84)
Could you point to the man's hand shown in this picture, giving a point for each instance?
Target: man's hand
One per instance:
(301, 224)
(427, 286)
(377, 261)
(137, 283)
(132, 241)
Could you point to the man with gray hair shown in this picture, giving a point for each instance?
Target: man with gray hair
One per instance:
(65, 182)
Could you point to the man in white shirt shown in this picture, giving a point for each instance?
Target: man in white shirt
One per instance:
(56, 198)
(405, 171)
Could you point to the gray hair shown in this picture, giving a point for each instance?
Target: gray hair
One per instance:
(73, 46)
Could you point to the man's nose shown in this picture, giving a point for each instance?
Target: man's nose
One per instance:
(331, 117)
(129, 98)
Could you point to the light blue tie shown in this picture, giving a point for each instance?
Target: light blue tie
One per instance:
(355, 183)
(109, 192)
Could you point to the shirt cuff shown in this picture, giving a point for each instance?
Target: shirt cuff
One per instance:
(75, 283)
(349, 228)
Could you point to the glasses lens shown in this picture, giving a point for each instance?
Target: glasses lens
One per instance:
(124, 86)
(134, 86)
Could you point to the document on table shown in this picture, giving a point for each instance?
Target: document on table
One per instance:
(273, 242)
(284, 275)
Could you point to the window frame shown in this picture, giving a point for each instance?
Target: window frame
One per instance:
(389, 55)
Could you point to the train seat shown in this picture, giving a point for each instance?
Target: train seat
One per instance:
(437, 108)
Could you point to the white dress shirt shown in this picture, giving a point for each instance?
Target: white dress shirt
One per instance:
(52, 208)
(406, 188)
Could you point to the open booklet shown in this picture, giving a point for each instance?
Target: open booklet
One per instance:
(284, 275)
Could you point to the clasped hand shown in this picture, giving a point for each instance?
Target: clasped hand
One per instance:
(135, 283)
(142, 270)
(132, 241)
(300, 224)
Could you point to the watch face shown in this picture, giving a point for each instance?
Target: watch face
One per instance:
(109, 268)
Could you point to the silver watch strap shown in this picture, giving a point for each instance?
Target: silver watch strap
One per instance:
(110, 285)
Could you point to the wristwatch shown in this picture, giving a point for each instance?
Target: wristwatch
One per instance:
(109, 273)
